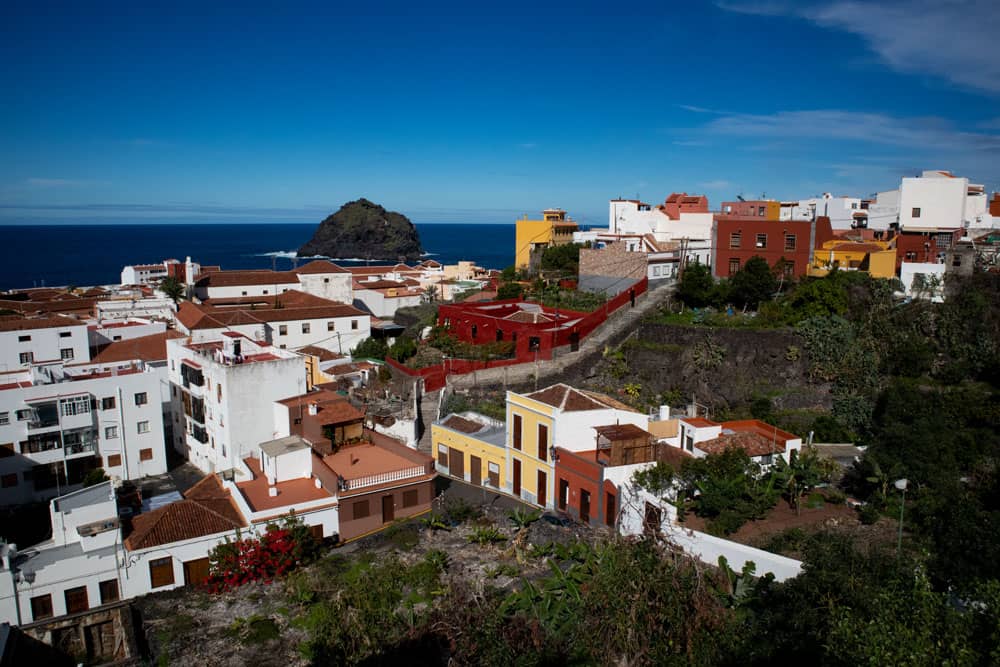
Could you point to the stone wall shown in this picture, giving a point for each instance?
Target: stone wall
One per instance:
(612, 261)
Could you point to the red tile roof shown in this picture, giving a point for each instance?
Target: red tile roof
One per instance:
(193, 316)
(320, 266)
(147, 348)
(290, 492)
(206, 509)
(569, 399)
(250, 277)
(754, 444)
(699, 422)
(16, 323)
(461, 424)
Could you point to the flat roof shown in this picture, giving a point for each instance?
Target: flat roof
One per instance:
(290, 492)
(286, 445)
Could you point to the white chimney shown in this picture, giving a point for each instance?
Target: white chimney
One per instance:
(272, 491)
(319, 484)
(313, 409)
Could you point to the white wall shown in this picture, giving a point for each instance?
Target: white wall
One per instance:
(104, 335)
(380, 305)
(230, 291)
(708, 548)
(122, 309)
(908, 272)
(941, 202)
(44, 345)
(574, 431)
(333, 286)
(687, 226)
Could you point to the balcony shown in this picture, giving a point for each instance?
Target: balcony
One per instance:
(383, 478)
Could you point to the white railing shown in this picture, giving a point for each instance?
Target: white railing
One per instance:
(383, 478)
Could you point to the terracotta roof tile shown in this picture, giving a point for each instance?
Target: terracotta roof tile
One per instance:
(252, 277)
(16, 323)
(754, 444)
(147, 348)
(207, 509)
(320, 266)
(461, 424)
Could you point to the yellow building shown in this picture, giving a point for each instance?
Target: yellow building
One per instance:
(534, 235)
(530, 427)
(877, 258)
(471, 450)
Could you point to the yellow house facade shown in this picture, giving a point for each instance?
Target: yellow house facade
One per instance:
(473, 450)
(553, 229)
(877, 258)
(530, 427)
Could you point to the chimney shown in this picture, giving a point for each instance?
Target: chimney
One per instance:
(313, 409)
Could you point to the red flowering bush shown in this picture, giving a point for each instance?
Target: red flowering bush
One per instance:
(278, 551)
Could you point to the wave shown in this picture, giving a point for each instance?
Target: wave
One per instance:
(286, 254)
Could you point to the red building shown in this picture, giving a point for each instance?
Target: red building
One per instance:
(925, 245)
(582, 492)
(532, 327)
(737, 239)
(682, 202)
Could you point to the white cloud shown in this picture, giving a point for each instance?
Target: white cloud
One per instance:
(870, 128)
(953, 40)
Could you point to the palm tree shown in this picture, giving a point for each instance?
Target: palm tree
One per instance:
(173, 288)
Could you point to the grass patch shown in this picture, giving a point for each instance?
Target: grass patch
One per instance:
(253, 630)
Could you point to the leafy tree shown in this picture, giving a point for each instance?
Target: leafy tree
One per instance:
(173, 288)
(94, 477)
(564, 259)
(801, 475)
(402, 349)
(753, 284)
(696, 286)
(727, 489)
(510, 291)
(371, 348)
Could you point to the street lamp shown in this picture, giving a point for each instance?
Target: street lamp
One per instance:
(901, 485)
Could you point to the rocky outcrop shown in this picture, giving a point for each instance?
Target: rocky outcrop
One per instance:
(362, 229)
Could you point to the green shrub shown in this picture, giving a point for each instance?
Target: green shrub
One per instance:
(869, 514)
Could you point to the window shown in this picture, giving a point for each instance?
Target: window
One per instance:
(734, 265)
(141, 398)
(305, 327)
(534, 343)
(76, 600)
(66, 353)
(218, 393)
(110, 432)
(789, 269)
(474, 330)
(161, 572)
(326, 280)
(767, 459)
(24, 339)
(146, 454)
(283, 346)
(735, 239)
(761, 241)
(108, 403)
(109, 591)
(360, 510)
(9, 480)
(244, 292)
(354, 324)
(543, 442)
(916, 211)
(493, 470)
(23, 415)
(114, 460)
(65, 334)
(410, 498)
(789, 241)
(4, 418)
(761, 210)
(142, 427)
(563, 499)
(517, 431)
(26, 357)
(265, 291)
(6, 449)
(78, 405)
(41, 607)
(282, 329)
(442, 456)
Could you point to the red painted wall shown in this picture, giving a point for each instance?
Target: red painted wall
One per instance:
(921, 246)
(582, 474)
(748, 228)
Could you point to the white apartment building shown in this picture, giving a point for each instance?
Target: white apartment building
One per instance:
(129, 304)
(935, 199)
(633, 217)
(318, 278)
(222, 393)
(288, 321)
(106, 332)
(58, 422)
(57, 338)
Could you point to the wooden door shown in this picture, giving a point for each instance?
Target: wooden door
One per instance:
(585, 506)
(517, 478)
(543, 488)
(195, 571)
(610, 511)
(456, 463)
(475, 470)
(76, 600)
(388, 508)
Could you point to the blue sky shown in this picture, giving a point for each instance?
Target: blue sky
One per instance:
(456, 113)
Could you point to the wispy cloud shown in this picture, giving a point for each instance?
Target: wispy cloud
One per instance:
(869, 128)
(953, 40)
(694, 109)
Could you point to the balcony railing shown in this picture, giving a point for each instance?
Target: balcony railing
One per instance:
(81, 448)
(43, 423)
(382, 478)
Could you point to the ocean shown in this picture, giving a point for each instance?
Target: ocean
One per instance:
(84, 255)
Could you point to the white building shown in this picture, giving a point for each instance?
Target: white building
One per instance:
(923, 280)
(675, 220)
(222, 393)
(382, 297)
(57, 338)
(58, 422)
(128, 304)
(291, 320)
(935, 199)
(319, 278)
(112, 331)
(844, 212)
